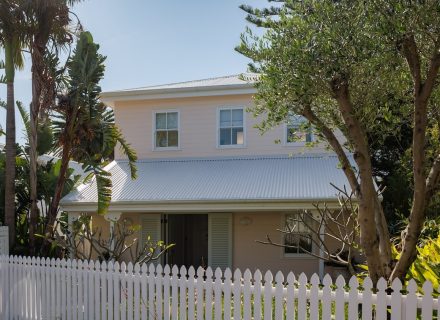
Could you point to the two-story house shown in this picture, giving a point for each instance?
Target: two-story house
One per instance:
(209, 181)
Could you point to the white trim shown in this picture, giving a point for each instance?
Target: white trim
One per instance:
(232, 146)
(203, 206)
(168, 93)
(154, 148)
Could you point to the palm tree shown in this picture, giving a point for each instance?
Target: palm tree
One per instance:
(84, 127)
(11, 38)
(47, 23)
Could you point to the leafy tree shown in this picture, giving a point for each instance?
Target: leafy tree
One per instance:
(84, 127)
(12, 41)
(47, 28)
(342, 64)
(47, 172)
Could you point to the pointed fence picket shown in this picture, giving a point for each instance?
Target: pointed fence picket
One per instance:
(39, 288)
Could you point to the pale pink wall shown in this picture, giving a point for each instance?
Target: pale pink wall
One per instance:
(102, 226)
(198, 128)
(248, 254)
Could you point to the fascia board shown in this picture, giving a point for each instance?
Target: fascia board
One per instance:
(152, 94)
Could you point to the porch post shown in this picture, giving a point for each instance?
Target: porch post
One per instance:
(112, 217)
(321, 251)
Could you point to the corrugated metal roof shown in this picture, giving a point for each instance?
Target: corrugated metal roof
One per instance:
(218, 179)
(236, 79)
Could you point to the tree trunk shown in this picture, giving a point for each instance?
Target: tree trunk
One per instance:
(374, 236)
(33, 140)
(53, 210)
(10, 146)
(410, 235)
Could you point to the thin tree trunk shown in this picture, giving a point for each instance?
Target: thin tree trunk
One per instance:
(10, 146)
(423, 186)
(412, 231)
(53, 210)
(33, 140)
(374, 237)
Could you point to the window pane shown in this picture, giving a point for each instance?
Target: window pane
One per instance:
(300, 237)
(291, 240)
(161, 139)
(161, 121)
(172, 120)
(225, 137)
(295, 135)
(305, 244)
(225, 118)
(237, 117)
(237, 136)
(173, 138)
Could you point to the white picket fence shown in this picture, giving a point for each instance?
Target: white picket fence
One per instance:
(70, 289)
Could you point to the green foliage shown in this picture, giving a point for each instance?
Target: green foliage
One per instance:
(83, 126)
(309, 44)
(427, 265)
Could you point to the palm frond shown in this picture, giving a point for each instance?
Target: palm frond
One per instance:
(128, 151)
(26, 119)
(103, 185)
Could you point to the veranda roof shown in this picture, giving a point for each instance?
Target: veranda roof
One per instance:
(303, 178)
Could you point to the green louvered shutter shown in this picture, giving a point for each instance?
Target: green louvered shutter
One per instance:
(151, 227)
(220, 240)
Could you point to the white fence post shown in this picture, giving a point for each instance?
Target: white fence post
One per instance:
(4, 240)
(34, 288)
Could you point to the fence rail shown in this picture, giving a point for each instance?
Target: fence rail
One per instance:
(34, 288)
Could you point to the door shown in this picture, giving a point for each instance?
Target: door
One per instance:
(189, 234)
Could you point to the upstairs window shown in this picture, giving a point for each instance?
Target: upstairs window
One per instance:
(166, 129)
(231, 127)
(297, 130)
(298, 236)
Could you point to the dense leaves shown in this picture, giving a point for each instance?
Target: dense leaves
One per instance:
(84, 127)
(367, 70)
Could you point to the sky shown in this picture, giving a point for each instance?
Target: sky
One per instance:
(155, 42)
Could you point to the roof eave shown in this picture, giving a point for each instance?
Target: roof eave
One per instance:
(168, 93)
(203, 205)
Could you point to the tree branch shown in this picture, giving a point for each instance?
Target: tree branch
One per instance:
(433, 180)
(412, 57)
(336, 146)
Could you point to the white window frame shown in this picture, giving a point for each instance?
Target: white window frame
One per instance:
(283, 225)
(154, 130)
(294, 143)
(231, 146)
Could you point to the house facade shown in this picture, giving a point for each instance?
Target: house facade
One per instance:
(210, 182)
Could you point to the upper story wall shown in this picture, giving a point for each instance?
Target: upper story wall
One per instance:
(198, 129)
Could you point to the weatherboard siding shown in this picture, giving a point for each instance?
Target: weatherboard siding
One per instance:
(198, 128)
